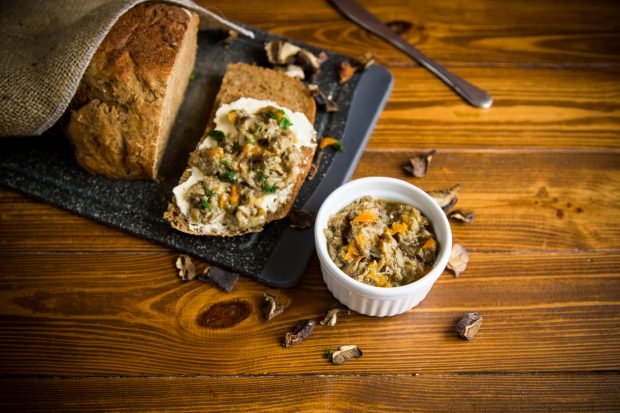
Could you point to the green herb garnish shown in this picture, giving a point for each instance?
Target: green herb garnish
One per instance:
(205, 204)
(192, 76)
(236, 147)
(209, 193)
(272, 114)
(218, 135)
(257, 129)
(328, 353)
(285, 122)
(250, 141)
(338, 146)
(225, 163)
(230, 176)
(269, 188)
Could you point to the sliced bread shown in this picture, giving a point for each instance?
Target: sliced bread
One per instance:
(128, 99)
(253, 158)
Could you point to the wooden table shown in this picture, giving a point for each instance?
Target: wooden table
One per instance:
(95, 319)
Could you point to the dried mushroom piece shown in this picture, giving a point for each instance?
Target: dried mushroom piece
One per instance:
(187, 270)
(281, 53)
(294, 71)
(224, 280)
(232, 36)
(331, 318)
(272, 306)
(309, 61)
(419, 164)
(325, 102)
(446, 198)
(462, 216)
(367, 60)
(301, 219)
(346, 71)
(301, 332)
(345, 353)
(459, 258)
(468, 325)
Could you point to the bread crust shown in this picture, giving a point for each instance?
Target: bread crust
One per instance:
(243, 80)
(115, 124)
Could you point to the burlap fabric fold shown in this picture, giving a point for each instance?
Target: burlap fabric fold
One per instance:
(45, 48)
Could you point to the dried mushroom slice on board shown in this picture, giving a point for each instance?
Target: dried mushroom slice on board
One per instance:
(325, 102)
(224, 280)
(331, 318)
(468, 325)
(272, 306)
(462, 216)
(299, 333)
(418, 165)
(446, 198)
(459, 258)
(283, 54)
(367, 60)
(187, 270)
(346, 353)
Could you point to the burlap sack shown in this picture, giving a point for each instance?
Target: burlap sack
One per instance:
(45, 48)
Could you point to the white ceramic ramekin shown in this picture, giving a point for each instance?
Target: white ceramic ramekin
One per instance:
(368, 299)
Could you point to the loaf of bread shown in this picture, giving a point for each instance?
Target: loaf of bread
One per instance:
(253, 158)
(128, 99)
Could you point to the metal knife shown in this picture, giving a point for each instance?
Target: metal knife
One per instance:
(359, 15)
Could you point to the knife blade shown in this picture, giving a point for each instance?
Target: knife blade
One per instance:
(472, 94)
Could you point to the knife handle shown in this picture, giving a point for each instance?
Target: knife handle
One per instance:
(472, 94)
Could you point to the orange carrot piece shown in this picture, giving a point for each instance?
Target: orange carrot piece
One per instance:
(365, 217)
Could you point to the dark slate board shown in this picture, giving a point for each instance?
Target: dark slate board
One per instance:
(44, 167)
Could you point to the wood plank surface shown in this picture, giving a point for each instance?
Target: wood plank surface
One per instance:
(93, 319)
(534, 393)
(456, 33)
(525, 200)
(573, 109)
(68, 315)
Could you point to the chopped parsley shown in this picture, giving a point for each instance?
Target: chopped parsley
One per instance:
(328, 353)
(285, 123)
(230, 176)
(272, 114)
(217, 135)
(205, 204)
(236, 147)
(225, 163)
(269, 188)
(250, 141)
(257, 129)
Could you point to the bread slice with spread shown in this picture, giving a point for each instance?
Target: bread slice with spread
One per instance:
(253, 158)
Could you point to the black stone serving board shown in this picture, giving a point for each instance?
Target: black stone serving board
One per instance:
(44, 166)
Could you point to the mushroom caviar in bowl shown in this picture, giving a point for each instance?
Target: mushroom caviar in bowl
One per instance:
(382, 243)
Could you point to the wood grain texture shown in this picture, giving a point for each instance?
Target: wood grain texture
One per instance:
(455, 33)
(93, 319)
(535, 393)
(72, 315)
(525, 200)
(533, 108)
